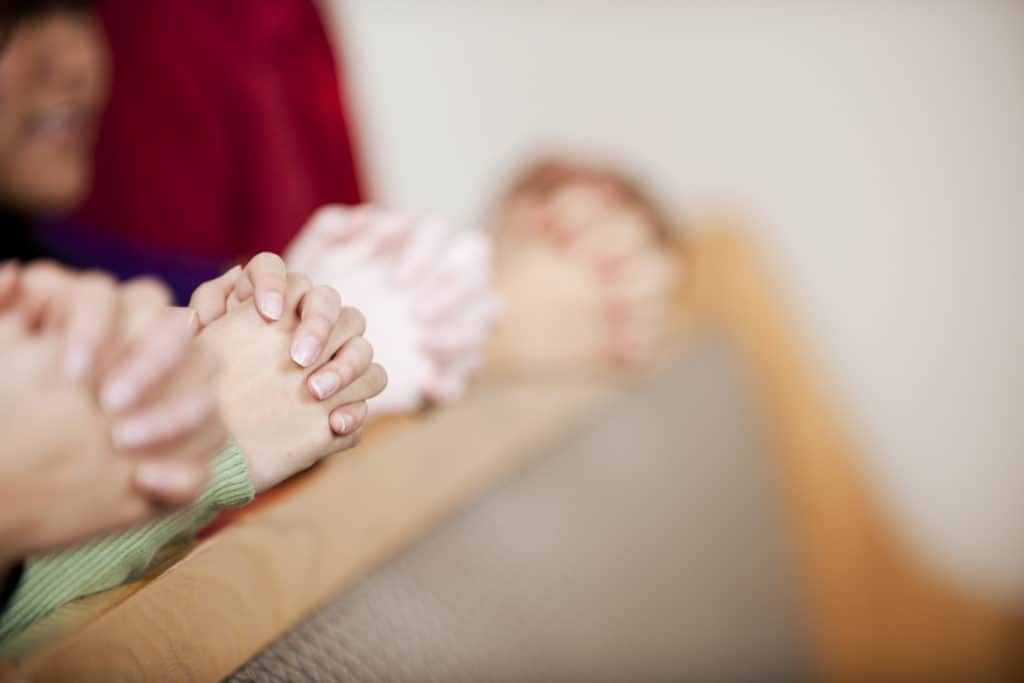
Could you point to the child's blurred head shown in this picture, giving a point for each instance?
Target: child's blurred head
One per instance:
(54, 74)
(556, 197)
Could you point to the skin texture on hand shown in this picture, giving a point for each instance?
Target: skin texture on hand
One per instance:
(268, 401)
(428, 285)
(319, 318)
(136, 353)
(63, 480)
(265, 280)
(126, 435)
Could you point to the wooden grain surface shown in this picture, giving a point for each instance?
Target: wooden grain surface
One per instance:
(876, 612)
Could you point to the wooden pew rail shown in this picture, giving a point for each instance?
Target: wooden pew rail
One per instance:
(875, 610)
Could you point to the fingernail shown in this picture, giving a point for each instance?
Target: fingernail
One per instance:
(341, 423)
(272, 304)
(305, 350)
(325, 383)
(77, 363)
(117, 394)
(131, 433)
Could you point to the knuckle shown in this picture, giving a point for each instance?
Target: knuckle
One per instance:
(354, 319)
(359, 411)
(43, 265)
(328, 296)
(265, 260)
(364, 348)
(318, 324)
(148, 290)
(97, 279)
(201, 293)
(44, 270)
(377, 377)
(299, 281)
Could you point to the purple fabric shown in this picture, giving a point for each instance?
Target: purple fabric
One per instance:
(77, 244)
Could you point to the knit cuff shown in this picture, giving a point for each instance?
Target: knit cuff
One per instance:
(230, 485)
(55, 579)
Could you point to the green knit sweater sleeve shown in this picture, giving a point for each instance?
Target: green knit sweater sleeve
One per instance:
(52, 580)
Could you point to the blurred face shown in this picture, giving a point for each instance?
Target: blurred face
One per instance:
(577, 213)
(572, 203)
(53, 82)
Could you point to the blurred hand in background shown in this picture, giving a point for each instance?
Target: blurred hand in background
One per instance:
(589, 267)
(428, 285)
(108, 408)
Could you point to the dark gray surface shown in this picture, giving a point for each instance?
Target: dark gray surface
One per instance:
(644, 546)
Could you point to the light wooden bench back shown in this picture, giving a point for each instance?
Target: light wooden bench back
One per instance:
(873, 607)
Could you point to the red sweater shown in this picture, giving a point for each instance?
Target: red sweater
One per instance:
(225, 128)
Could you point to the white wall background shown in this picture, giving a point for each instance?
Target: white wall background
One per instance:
(879, 145)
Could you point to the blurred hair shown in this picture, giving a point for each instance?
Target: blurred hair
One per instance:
(14, 11)
(545, 176)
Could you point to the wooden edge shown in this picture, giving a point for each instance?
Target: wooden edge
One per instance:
(77, 614)
(874, 608)
(238, 591)
(878, 612)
